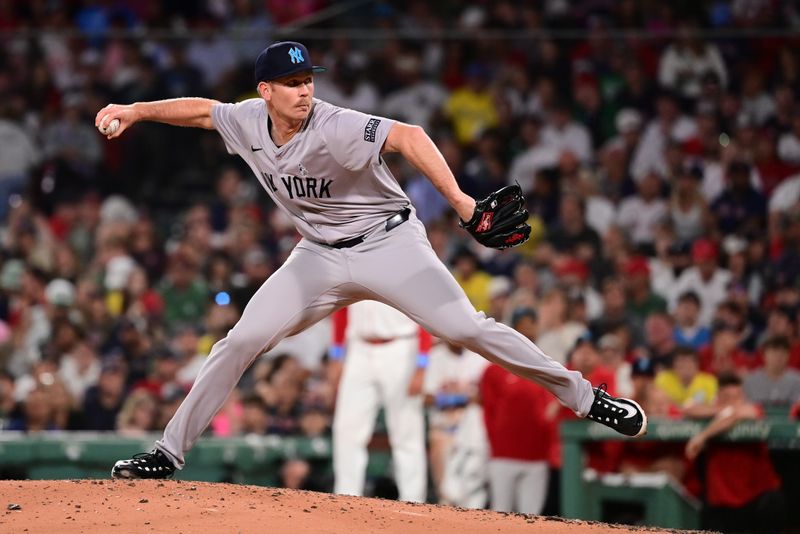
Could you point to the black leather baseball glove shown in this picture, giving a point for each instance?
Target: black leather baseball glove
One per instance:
(500, 219)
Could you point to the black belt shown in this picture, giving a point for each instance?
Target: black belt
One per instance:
(391, 223)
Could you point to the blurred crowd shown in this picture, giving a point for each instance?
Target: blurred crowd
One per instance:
(659, 155)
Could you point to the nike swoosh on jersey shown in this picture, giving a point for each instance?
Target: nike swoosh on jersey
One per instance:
(629, 410)
(254, 149)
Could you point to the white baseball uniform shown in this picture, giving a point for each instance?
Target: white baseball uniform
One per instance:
(361, 240)
(382, 346)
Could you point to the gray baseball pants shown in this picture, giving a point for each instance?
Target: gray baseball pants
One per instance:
(398, 268)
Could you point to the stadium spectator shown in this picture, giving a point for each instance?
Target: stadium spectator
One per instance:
(615, 183)
(733, 314)
(471, 108)
(572, 235)
(781, 322)
(612, 355)
(688, 210)
(557, 334)
(163, 378)
(36, 413)
(499, 293)
(102, 403)
(756, 101)
(685, 61)
(601, 213)
(642, 377)
(585, 357)
(472, 279)
(525, 321)
(740, 208)
(315, 420)
(641, 301)
(185, 294)
(79, 366)
(672, 258)
(685, 384)
(659, 341)
(526, 286)
(536, 156)
(284, 405)
(775, 384)
(641, 214)
(615, 311)
(747, 283)
(138, 414)
(746, 498)
(564, 134)
(688, 331)
(572, 275)
(667, 127)
(255, 418)
(186, 347)
(705, 278)
(723, 354)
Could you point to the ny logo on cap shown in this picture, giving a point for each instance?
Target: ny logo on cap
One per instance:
(296, 54)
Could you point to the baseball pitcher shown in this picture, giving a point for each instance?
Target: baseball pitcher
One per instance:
(323, 166)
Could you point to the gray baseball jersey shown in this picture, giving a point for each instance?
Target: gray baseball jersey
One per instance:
(330, 177)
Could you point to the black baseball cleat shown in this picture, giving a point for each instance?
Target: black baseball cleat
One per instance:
(623, 415)
(154, 464)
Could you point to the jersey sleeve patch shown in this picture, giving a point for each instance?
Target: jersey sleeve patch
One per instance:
(371, 130)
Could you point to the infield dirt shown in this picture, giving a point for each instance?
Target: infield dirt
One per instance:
(176, 507)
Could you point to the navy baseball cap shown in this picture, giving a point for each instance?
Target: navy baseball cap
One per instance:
(282, 59)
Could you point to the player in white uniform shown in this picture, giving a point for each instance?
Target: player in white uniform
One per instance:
(323, 166)
(384, 360)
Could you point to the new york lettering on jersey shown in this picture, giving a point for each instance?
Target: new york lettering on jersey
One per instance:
(300, 186)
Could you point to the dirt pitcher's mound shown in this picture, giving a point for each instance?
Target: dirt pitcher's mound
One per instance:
(175, 507)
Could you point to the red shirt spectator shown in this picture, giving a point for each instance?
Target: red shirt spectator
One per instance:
(514, 413)
(752, 476)
(736, 361)
(740, 482)
(723, 354)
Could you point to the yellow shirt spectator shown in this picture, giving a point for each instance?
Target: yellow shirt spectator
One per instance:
(475, 282)
(701, 390)
(477, 289)
(470, 112)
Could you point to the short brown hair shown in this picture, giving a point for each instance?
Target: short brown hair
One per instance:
(685, 350)
(728, 379)
(776, 343)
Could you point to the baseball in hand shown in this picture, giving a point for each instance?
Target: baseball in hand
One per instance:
(112, 127)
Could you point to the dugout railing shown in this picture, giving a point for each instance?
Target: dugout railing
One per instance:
(665, 503)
